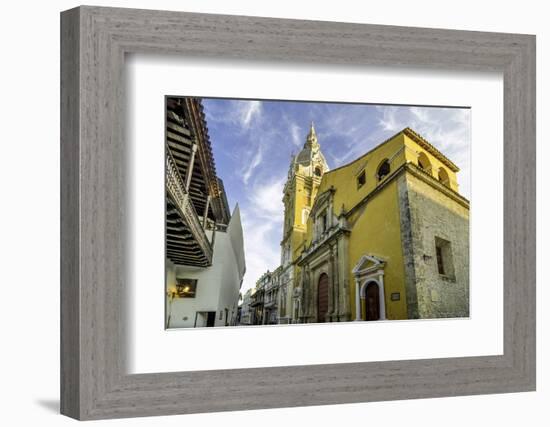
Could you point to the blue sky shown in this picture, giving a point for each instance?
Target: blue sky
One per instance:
(253, 142)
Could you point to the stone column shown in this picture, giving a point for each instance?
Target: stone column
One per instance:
(335, 273)
(302, 284)
(382, 296)
(357, 300)
(346, 284)
(330, 213)
(330, 271)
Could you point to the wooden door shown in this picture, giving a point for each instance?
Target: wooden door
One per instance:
(372, 301)
(322, 298)
(211, 319)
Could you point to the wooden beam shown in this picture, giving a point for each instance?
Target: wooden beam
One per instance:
(186, 255)
(190, 168)
(180, 140)
(177, 127)
(205, 212)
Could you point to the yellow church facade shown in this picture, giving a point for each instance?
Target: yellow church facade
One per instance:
(383, 237)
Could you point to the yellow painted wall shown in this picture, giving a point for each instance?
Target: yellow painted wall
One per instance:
(302, 192)
(306, 189)
(344, 179)
(376, 230)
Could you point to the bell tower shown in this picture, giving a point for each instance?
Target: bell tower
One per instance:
(304, 177)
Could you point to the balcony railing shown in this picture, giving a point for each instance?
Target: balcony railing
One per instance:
(176, 190)
(270, 304)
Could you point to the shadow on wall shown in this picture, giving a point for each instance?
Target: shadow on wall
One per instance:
(51, 405)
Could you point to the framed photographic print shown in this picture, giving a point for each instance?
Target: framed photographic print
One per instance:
(355, 203)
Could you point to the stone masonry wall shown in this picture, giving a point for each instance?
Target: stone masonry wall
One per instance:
(431, 214)
(407, 247)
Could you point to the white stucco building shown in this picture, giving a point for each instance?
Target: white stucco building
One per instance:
(213, 294)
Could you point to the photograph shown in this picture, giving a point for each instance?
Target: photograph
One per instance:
(282, 212)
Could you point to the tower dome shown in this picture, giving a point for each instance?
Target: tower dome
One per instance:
(311, 154)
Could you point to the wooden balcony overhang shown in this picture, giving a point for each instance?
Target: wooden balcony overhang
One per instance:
(195, 196)
(186, 241)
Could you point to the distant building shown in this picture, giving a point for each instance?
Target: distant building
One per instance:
(261, 304)
(246, 311)
(256, 306)
(205, 261)
(271, 303)
(259, 298)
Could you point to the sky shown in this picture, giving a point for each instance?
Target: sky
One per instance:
(253, 142)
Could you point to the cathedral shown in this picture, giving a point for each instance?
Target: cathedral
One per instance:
(385, 236)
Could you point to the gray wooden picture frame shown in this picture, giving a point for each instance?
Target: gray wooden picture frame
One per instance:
(94, 382)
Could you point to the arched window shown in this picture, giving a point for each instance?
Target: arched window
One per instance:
(424, 162)
(383, 170)
(443, 177)
(361, 179)
(317, 171)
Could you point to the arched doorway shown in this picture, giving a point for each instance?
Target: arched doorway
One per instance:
(322, 298)
(372, 301)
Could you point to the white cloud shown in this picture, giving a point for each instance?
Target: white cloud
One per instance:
(352, 132)
(242, 114)
(262, 222)
(296, 133)
(389, 120)
(261, 247)
(289, 126)
(267, 198)
(247, 117)
(419, 113)
(448, 129)
(247, 111)
(252, 164)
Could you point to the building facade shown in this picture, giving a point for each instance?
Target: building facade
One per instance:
(304, 178)
(205, 261)
(257, 306)
(385, 236)
(246, 311)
